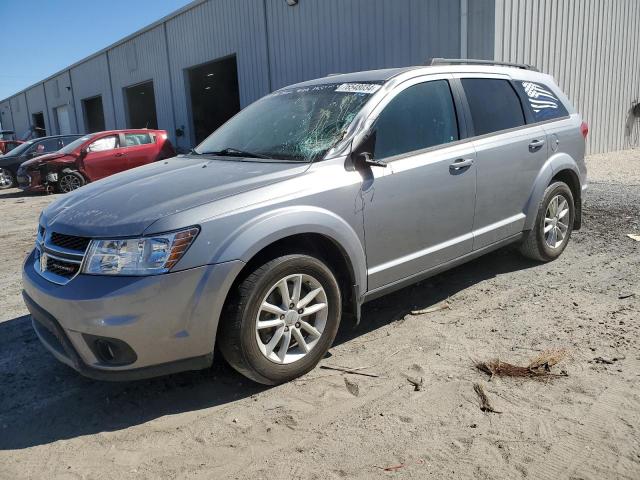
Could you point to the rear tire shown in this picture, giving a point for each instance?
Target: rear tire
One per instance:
(69, 181)
(7, 180)
(269, 341)
(554, 223)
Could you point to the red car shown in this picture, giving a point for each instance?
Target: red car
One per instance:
(8, 141)
(93, 157)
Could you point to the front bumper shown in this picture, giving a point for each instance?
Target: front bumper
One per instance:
(169, 321)
(30, 181)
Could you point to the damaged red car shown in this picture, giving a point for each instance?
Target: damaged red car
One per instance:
(93, 157)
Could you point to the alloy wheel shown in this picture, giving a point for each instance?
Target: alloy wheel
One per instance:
(69, 182)
(6, 179)
(556, 221)
(291, 318)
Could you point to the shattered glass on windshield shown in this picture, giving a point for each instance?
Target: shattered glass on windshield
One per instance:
(294, 124)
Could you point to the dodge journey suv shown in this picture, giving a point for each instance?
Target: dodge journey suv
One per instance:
(309, 202)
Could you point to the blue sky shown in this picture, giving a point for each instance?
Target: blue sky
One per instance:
(41, 37)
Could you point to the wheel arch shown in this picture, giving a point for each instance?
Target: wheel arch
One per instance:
(310, 230)
(558, 167)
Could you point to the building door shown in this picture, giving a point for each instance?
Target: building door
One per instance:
(37, 122)
(215, 95)
(141, 106)
(93, 114)
(64, 122)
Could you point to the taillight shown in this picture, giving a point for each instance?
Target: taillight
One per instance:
(584, 129)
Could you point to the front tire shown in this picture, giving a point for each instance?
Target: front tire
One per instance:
(70, 181)
(7, 180)
(281, 320)
(554, 223)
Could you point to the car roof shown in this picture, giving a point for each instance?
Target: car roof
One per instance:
(364, 76)
(389, 73)
(54, 136)
(128, 130)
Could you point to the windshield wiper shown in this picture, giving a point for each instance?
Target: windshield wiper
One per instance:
(234, 152)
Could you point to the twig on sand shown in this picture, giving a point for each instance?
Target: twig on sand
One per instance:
(485, 405)
(353, 371)
(540, 366)
(416, 382)
(441, 306)
(393, 468)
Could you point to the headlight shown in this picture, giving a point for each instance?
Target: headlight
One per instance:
(138, 256)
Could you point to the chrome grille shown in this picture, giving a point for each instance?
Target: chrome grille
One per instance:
(59, 257)
(62, 267)
(70, 242)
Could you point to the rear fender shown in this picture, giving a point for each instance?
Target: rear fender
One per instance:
(555, 164)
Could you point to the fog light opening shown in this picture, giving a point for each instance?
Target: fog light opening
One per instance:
(110, 351)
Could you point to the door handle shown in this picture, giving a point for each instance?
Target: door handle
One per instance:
(535, 145)
(460, 164)
(119, 154)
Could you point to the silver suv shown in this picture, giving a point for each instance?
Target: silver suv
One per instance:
(308, 203)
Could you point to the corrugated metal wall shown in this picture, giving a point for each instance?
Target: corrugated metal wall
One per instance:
(275, 45)
(91, 79)
(589, 46)
(480, 28)
(318, 37)
(21, 120)
(138, 60)
(5, 116)
(36, 103)
(58, 93)
(211, 31)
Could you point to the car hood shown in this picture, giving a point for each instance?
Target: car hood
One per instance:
(128, 203)
(37, 161)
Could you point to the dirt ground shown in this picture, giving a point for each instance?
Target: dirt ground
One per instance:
(215, 424)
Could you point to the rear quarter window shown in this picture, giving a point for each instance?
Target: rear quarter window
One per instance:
(542, 102)
(494, 105)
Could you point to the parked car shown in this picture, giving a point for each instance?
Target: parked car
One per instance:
(93, 157)
(8, 141)
(10, 162)
(306, 204)
(7, 145)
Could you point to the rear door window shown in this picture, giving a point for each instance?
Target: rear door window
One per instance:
(494, 105)
(48, 146)
(542, 102)
(419, 117)
(134, 139)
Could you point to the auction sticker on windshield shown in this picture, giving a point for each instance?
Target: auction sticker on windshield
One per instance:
(358, 88)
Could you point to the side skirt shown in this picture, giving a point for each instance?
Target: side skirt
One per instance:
(399, 284)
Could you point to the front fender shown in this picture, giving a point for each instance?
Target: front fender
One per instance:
(553, 165)
(261, 231)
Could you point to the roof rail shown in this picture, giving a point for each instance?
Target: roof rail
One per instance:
(472, 61)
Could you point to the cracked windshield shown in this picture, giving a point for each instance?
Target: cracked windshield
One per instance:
(298, 124)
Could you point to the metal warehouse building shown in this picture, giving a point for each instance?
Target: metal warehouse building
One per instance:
(190, 71)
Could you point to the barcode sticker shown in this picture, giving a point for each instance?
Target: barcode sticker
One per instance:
(358, 88)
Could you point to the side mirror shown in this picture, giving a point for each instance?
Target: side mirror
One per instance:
(363, 155)
(365, 158)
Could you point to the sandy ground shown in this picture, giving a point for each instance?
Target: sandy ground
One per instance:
(215, 424)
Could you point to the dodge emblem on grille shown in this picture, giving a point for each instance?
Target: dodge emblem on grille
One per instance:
(43, 262)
